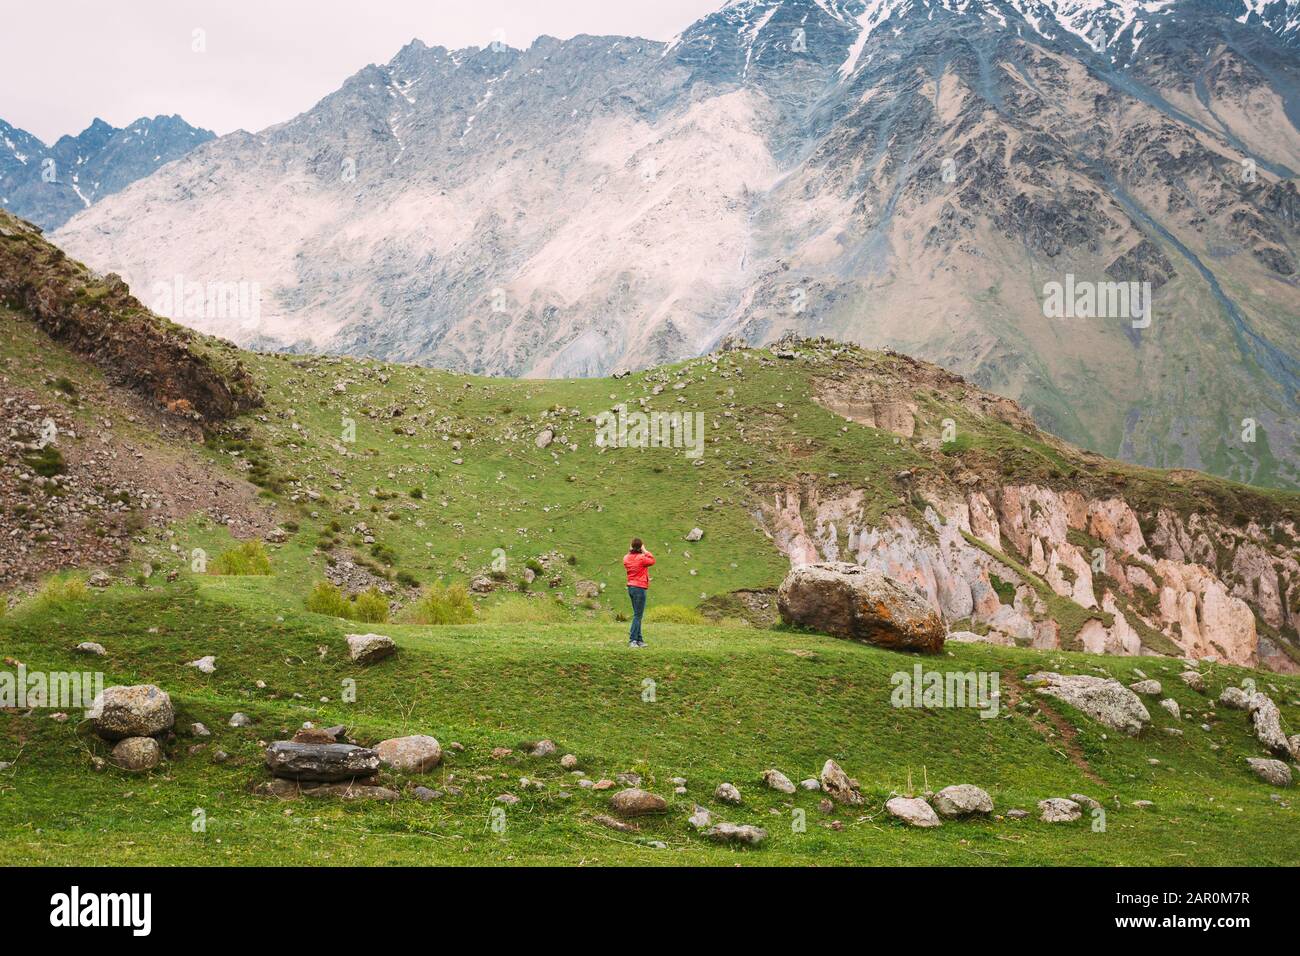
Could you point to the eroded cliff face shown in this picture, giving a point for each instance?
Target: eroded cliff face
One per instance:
(1028, 565)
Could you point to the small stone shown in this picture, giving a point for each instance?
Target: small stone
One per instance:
(1194, 680)
(810, 784)
(1171, 705)
(1017, 814)
(1234, 698)
(418, 753)
(1151, 688)
(1058, 810)
(743, 834)
(615, 824)
(204, 665)
(568, 761)
(776, 780)
(628, 779)
(603, 784)
(839, 785)
(90, 647)
(425, 795)
(695, 534)
(701, 818)
(509, 799)
(1085, 801)
(199, 730)
(241, 720)
(543, 748)
(727, 793)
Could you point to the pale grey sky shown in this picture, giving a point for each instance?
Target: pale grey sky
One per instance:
(266, 60)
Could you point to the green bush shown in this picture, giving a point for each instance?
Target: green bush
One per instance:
(674, 614)
(443, 605)
(370, 608)
(325, 598)
(59, 591)
(249, 558)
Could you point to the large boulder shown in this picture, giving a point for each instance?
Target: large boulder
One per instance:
(415, 754)
(1104, 699)
(368, 648)
(138, 710)
(326, 763)
(849, 601)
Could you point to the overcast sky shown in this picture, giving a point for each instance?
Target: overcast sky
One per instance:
(265, 60)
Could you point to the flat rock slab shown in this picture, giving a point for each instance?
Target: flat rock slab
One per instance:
(322, 763)
(1105, 700)
(743, 834)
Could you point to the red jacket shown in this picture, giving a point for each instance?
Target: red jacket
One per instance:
(636, 564)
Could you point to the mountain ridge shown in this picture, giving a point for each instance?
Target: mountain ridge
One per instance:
(599, 202)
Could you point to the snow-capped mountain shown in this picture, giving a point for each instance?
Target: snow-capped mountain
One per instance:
(914, 173)
(48, 184)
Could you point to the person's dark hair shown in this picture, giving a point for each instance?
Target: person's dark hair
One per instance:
(636, 545)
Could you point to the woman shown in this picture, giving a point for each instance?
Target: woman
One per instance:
(636, 562)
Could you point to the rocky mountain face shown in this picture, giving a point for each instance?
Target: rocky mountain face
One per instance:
(48, 185)
(1086, 205)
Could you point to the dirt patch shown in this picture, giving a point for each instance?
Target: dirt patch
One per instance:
(1052, 727)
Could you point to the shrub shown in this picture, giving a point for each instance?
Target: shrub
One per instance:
(407, 580)
(370, 608)
(60, 591)
(674, 614)
(325, 598)
(249, 558)
(443, 605)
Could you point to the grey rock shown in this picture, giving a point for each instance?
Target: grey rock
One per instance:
(369, 648)
(320, 762)
(913, 811)
(90, 647)
(139, 710)
(1274, 772)
(1171, 706)
(1150, 688)
(727, 793)
(1104, 699)
(1058, 810)
(743, 834)
(776, 780)
(137, 753)
(962, 800)
(838, 785)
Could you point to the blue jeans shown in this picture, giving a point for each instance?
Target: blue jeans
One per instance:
(638, 608)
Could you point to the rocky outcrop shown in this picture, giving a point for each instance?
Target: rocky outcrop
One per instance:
(1173, 591)
(849, 601)
(100, 320)
(1104, 699)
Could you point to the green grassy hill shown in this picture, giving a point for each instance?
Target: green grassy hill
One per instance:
(400, 478)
